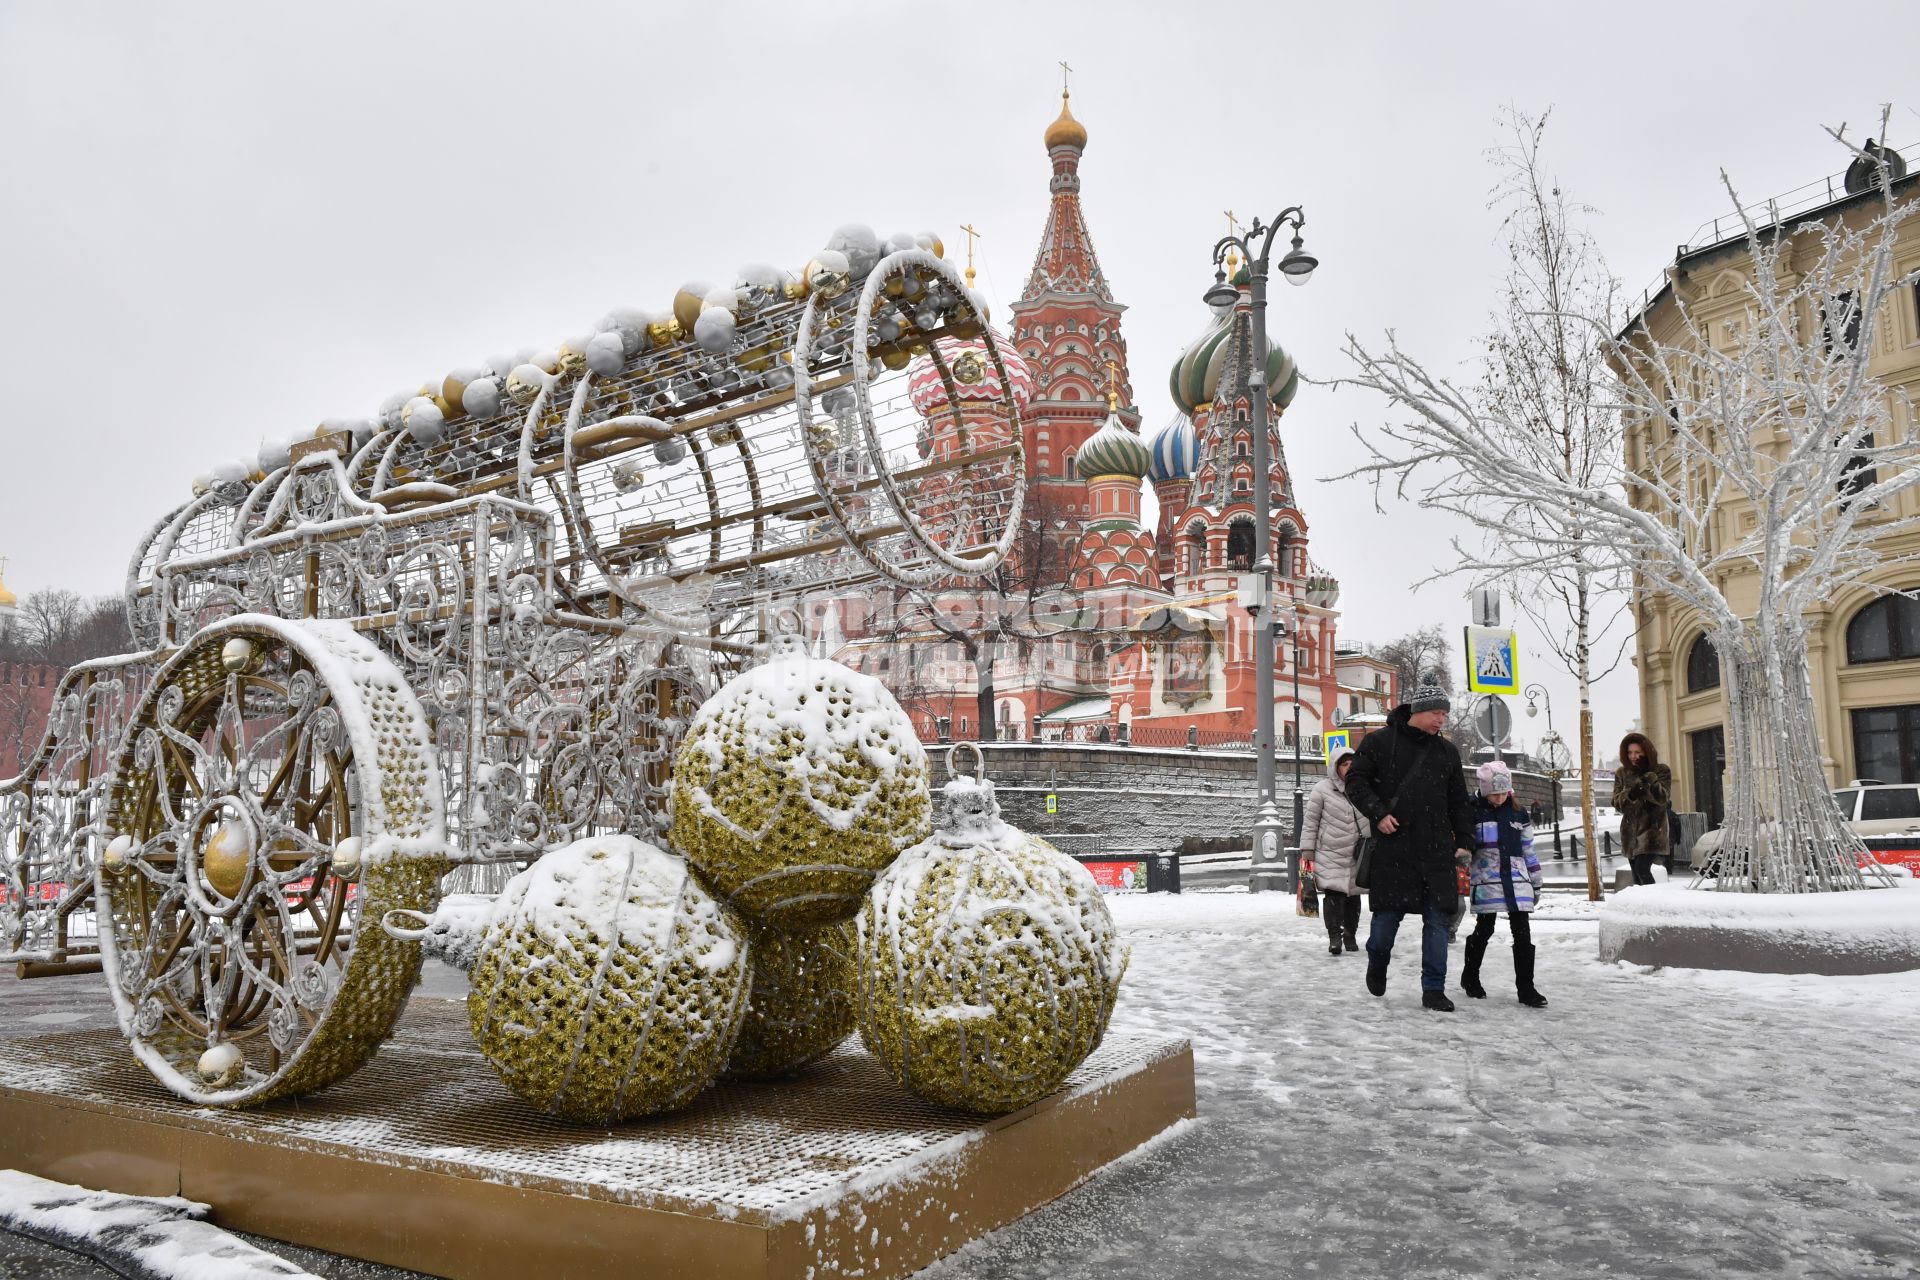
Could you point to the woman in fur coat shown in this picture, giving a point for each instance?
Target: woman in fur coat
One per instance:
(1643, 793)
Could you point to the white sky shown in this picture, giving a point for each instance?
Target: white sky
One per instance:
(223, 222)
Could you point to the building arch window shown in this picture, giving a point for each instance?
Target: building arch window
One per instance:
(1196, 547)
(1887, 630)
(1240, 544)
(1703, 666)
(1283, 542)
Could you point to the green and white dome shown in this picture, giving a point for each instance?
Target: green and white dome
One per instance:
(1197, 373)
(1114, 450)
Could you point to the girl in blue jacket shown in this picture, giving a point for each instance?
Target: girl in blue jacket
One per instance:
(1504, 876)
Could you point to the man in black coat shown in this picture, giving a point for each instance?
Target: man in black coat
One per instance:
(1407, 779)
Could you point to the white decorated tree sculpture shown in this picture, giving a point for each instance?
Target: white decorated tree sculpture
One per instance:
(1781, 458)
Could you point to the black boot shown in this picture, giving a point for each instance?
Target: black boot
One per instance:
(1333, 935)
(1353, 942)
(1470, 972)
(1523, 976)
(1436, 1001)
(1376, 974)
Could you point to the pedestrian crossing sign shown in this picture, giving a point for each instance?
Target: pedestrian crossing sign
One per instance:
(1492, 661)
(1338, 742)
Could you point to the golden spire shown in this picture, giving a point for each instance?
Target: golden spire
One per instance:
(1113, 387)
(972, 235)
(1233, 255)
(1066, 131)
(7, 599)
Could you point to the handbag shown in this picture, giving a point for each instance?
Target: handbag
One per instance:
(1363, 852)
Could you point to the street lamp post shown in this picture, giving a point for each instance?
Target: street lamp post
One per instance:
(1297, 265)
(1299, 796)
(1539, 691)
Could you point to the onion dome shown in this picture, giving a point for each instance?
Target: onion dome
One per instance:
(1196, 374)
(1113, 450)
(1066, 131)
(974, 375)
(8, 600)
(1175, 451)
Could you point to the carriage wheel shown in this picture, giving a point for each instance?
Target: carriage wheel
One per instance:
(278, 785)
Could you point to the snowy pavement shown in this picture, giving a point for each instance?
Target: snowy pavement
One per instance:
(1647, 1124)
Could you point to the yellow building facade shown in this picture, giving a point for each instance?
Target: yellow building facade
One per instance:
(1864, 647)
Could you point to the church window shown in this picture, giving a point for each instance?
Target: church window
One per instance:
(1240, 545)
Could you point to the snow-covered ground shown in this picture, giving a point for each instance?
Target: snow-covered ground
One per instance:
(1647, 1124)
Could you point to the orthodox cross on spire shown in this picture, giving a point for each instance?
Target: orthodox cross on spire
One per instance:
(1233, 229)
(972, 235)
(1065, 71)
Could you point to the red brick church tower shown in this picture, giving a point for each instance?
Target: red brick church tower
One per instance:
(1067, 326)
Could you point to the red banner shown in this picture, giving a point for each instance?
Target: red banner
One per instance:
(1119, 876)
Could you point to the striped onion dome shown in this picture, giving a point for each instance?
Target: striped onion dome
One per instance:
(974, 376)
(1196, 374)
(1175, 452)
(1112, 451)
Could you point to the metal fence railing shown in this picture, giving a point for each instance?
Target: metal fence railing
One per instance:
(1115, 734)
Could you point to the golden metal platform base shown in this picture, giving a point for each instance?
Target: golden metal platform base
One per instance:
(423, 1160)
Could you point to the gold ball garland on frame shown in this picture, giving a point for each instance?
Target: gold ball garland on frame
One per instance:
(796, 784)
(609, 984)
(987, 964)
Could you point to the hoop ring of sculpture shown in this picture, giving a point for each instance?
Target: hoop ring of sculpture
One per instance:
(944, 562)
(277, 785)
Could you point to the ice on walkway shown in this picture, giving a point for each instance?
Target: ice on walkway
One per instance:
(1647, 1124)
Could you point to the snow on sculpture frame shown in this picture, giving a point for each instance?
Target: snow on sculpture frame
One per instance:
(553, 611)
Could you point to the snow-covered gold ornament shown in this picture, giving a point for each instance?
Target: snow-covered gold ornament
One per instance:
(796, 784)
(608, 983)
(801, 1004)
(987, 963)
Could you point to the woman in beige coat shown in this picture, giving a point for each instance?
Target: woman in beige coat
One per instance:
(1332, 828)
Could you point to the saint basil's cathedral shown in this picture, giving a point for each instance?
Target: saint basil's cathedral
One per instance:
(1155, 648)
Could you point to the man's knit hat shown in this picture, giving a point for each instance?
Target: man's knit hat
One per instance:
(1429, 697)
(1495, 778)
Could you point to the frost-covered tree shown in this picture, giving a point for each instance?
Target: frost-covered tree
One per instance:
(1778, 453)
(1547, 379)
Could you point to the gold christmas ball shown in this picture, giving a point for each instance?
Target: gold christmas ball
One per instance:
(238, 655)
(801, 1001)
(453, 391)
(796, 784)
(608, 983)
(118, 853)
(828, 274)
(226, 857)
(222, 1065)
(896, 358)
(987, 964)
(687, 303)
(346, 858)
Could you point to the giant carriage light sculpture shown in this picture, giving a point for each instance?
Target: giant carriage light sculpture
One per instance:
(414, 653)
